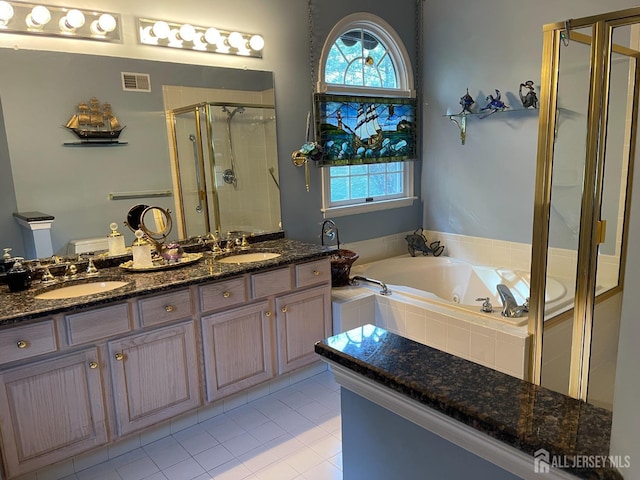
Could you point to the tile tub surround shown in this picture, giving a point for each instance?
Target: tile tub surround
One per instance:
(475, 337)
(519, 414)
(21, 306)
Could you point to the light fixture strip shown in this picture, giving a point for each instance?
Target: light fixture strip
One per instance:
(54, 21)
(162, 33)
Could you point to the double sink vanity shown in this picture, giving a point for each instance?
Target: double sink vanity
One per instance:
(79, 372)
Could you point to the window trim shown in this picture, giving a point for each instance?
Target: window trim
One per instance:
(405, 81)
(385, 32)
(363, 207)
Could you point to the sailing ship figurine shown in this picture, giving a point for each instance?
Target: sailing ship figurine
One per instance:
(95, 123)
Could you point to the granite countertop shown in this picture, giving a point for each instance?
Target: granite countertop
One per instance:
(21, 306)
(520, 414)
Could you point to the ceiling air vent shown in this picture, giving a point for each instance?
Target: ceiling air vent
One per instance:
(136, 82)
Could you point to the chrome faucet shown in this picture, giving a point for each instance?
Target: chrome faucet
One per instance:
(510, 307)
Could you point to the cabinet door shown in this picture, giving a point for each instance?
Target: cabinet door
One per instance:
(238, 351)
(155, 376)
(302, 319)
(51, 410)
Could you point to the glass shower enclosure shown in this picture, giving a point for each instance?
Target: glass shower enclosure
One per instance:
(226, 169)
(586, 152)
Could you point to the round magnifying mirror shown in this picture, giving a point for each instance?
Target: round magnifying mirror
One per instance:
(134, 217)
(156, 222)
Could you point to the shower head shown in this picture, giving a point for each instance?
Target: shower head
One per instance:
(231, 113)
(192, 137)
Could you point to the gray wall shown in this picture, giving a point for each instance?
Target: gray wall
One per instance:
(486, 187)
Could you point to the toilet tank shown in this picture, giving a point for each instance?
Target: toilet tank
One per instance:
(86, 245)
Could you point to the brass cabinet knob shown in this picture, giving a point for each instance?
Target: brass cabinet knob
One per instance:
(316, 273)
(93, 365)
(284, 309)
(22, 344)
(119, 357)
(267, 314)
(169, 308)
(226, 294)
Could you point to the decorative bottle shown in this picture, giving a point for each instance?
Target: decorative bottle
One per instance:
(115, 241)
(141, 251)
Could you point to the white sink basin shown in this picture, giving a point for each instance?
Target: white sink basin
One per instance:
(249, 257)
(81, 289)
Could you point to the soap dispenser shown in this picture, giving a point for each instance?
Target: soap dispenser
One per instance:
(19, 277)
(141, 251)
(115, 241)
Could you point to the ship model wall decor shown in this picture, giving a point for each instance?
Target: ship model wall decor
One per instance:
(95, 123)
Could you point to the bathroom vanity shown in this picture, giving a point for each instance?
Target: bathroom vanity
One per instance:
(84, 372)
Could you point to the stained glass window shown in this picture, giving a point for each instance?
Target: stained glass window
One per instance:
(368, 83)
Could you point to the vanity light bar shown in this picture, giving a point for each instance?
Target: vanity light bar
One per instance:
(48, 20)
(202, 39)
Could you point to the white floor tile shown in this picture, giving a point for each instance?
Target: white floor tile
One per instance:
(195, 439)
(291, 434)
(139, 469)
(241, 444)
(277, 471)
(324, 471)
(267, 431)
(258, 458)
(213, 457)
(185, 470)
(304, 459)
(233, 470)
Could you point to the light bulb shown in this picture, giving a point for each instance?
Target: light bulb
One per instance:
(199, 42)
(161, 29)
(174, 38)
(72, 20)
(212, 35)
(235, 40)
(256, 43)
(187, 32)
(38, 17)
(107, 23)
(6, 13)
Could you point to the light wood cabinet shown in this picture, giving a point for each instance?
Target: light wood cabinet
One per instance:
(238, 349)
(58, 398)
(51, 410)
(155, 376)
(302, 318)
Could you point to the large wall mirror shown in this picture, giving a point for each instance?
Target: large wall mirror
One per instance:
(87, 188)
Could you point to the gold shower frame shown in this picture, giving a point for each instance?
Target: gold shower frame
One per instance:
(590, 224)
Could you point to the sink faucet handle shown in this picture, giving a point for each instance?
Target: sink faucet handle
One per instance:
(486, 305)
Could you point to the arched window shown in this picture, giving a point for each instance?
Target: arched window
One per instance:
(363, 56)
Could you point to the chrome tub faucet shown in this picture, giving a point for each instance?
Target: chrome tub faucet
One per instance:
(510, 307)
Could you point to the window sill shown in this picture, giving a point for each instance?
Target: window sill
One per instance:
(367, 207)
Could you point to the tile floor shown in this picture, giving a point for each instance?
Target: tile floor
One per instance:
(294, 433)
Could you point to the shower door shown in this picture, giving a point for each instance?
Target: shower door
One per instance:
(197, 199)
(226, 169)
(586, 150)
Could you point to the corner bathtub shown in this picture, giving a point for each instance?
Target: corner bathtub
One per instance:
(454, 282)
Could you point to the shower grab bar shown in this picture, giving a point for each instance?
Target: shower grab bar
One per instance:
(196, 158)
(385, 290)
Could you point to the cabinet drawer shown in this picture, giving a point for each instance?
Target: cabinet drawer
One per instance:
(223, 294)
(17, 343)
(165, 308)
(313, 272)
(96, 324)
(270, 283)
